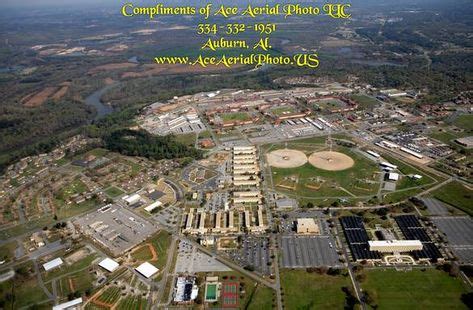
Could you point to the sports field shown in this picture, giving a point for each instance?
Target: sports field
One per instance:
(416, 289)
(341, 173)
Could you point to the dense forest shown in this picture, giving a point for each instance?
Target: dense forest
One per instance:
(140, 143)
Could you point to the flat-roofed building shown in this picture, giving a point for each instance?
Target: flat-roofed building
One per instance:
(307, 226)
(202, 222)
(190, 218)
(147, 270)
(109, 264)
(246, 183)
(247, 194)
(395, 246)
(230, 220)
(55, 263)
(244, 177)
(247, 219)
(466, 141)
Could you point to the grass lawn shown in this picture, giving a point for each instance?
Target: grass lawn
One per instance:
(303, 290)
(73, 209)
(7, 251)
(65, 268)
(262, 298)
(75, 187)
(237, 116)
(113, 192)
(283, 110)
(464, 121)
(457, 195)
(365, 102)
(416, 289)
(26, 293)
(81, 281)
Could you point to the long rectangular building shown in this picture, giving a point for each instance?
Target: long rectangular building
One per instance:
(395, 246)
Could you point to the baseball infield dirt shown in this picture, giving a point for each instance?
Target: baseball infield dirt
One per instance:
(331, 161)
(286, 158)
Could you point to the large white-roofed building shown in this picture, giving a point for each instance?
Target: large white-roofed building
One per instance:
(109, 264)
(53, 264)
(392, 246)
(147, 270)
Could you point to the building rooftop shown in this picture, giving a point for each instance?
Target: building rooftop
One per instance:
(53, 264)
(109, 264)
(146, 269)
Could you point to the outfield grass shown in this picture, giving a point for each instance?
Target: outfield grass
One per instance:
(351, 179)
(161, 243)
(416, 289)
(303, 290)
(457, 195)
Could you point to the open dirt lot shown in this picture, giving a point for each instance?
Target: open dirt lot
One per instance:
(331, 161)
(286, 158)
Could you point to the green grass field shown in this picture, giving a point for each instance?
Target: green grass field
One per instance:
(365, 102)
(416, 289)
(282, 110)
(464, 121)
(457, 195)
(113, 192)
(27, 293)
(7, 251)
(303, 290)
(262, 298)
(237, 116)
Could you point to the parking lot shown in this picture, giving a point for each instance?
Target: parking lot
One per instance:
(435, 206)
(191, 260)
(308, 251)
(115, 228)
(254, 252)
(459, 233)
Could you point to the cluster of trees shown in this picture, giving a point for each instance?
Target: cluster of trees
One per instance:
(141, 143)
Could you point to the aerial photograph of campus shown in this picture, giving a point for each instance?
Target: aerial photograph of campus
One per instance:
(130, 183)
